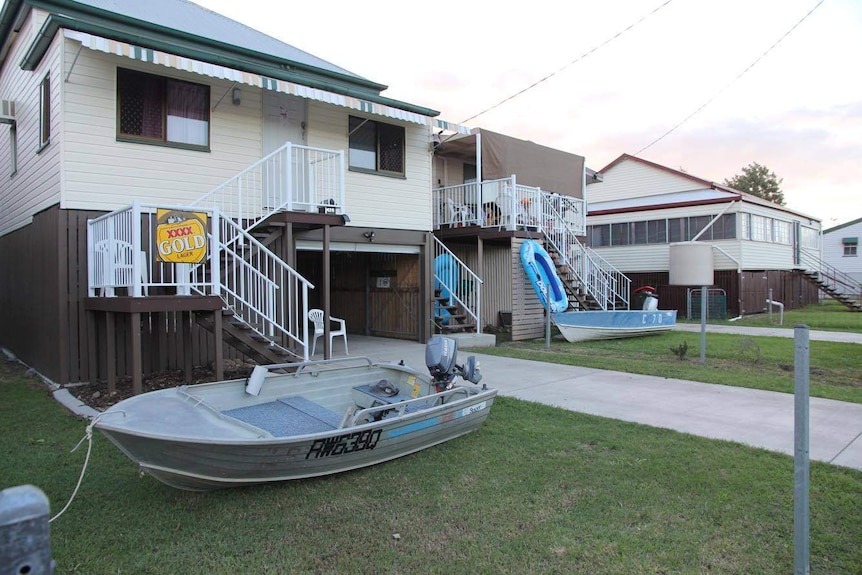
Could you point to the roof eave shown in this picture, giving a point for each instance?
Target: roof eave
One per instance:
(73, 9)
(54, 22)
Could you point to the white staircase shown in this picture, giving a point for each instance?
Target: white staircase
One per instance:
(595, 279)
(461, 310)
(266, 301)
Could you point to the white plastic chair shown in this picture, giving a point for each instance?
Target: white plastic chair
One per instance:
(504, 205)
(316, 316)
(459, 214)
(114, 262)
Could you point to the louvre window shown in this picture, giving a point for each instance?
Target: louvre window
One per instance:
(620, 234)
(662, 231)
(375, 146)
(45, 112)
(598, 236)
(657, 231)
(155, 109)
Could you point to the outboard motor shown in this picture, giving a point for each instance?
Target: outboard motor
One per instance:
(440, 355)
(650, 299)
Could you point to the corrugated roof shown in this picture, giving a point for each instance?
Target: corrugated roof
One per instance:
(190, 18)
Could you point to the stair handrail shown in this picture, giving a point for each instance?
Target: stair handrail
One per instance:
(600, 279)
(833, 277)
(276, 181)
(252, 284)
(469, 293)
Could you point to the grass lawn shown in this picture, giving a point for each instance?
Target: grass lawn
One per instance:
(827, 316)
(737, 360)
(536, 490)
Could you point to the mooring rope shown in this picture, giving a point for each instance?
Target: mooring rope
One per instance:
(88, 436)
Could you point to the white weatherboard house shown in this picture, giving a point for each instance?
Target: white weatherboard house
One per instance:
(313, 190)
(841, 249)
(640, 208)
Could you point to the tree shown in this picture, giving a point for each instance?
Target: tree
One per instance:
(759, 181)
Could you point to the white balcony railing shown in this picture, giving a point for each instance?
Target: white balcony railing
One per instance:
(505, 204)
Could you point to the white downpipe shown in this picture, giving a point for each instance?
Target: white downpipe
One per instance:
(780, 307)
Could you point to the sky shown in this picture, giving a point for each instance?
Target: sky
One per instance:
(798, 111)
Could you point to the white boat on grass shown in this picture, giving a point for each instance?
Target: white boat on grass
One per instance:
(590, 325)
(323, 417)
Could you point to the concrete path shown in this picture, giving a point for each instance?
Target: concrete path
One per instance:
(813, 335)
(753, 417)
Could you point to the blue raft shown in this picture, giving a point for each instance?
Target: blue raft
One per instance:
(543, 275)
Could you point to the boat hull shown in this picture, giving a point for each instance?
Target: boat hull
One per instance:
(189, 444)
(594, 325)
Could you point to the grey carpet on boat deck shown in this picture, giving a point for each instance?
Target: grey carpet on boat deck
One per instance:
(288, 416)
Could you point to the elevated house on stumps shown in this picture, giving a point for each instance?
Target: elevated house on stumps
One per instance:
(182, 189)
(491, 193)
(763, 253)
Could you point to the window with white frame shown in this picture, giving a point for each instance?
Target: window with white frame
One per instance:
(157, 110)
(781, 232)
(745, 226)
(810, 238)
(850, 247)
(761, 228)
(375, 147)
(45, 112)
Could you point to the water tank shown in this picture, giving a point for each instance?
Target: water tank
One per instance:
(691, 264)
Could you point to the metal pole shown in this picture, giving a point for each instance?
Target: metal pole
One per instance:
(800, 453)
(548, 317)
(703, 309)
(769, 306)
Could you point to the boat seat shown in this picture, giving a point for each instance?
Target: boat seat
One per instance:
(377, 398)
(287, 416)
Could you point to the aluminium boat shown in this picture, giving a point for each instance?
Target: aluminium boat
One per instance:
(292, 421)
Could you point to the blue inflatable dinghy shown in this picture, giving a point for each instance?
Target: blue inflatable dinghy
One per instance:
(543, 274)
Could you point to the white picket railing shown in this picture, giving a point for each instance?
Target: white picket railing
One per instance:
(461, 282)
(507, 205)
(292, 178)
(256, 284)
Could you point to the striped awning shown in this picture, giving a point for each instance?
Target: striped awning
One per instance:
(258, 81)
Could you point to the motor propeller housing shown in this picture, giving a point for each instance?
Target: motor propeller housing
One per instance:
(440, 357)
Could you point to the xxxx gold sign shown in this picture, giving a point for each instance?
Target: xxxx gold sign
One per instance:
(181, 237)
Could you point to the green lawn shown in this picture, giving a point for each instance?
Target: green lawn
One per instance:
(536, 490)
(737, 360)
(827, 316)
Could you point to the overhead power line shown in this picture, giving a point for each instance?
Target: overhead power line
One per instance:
(576, 60)
(717, 94)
